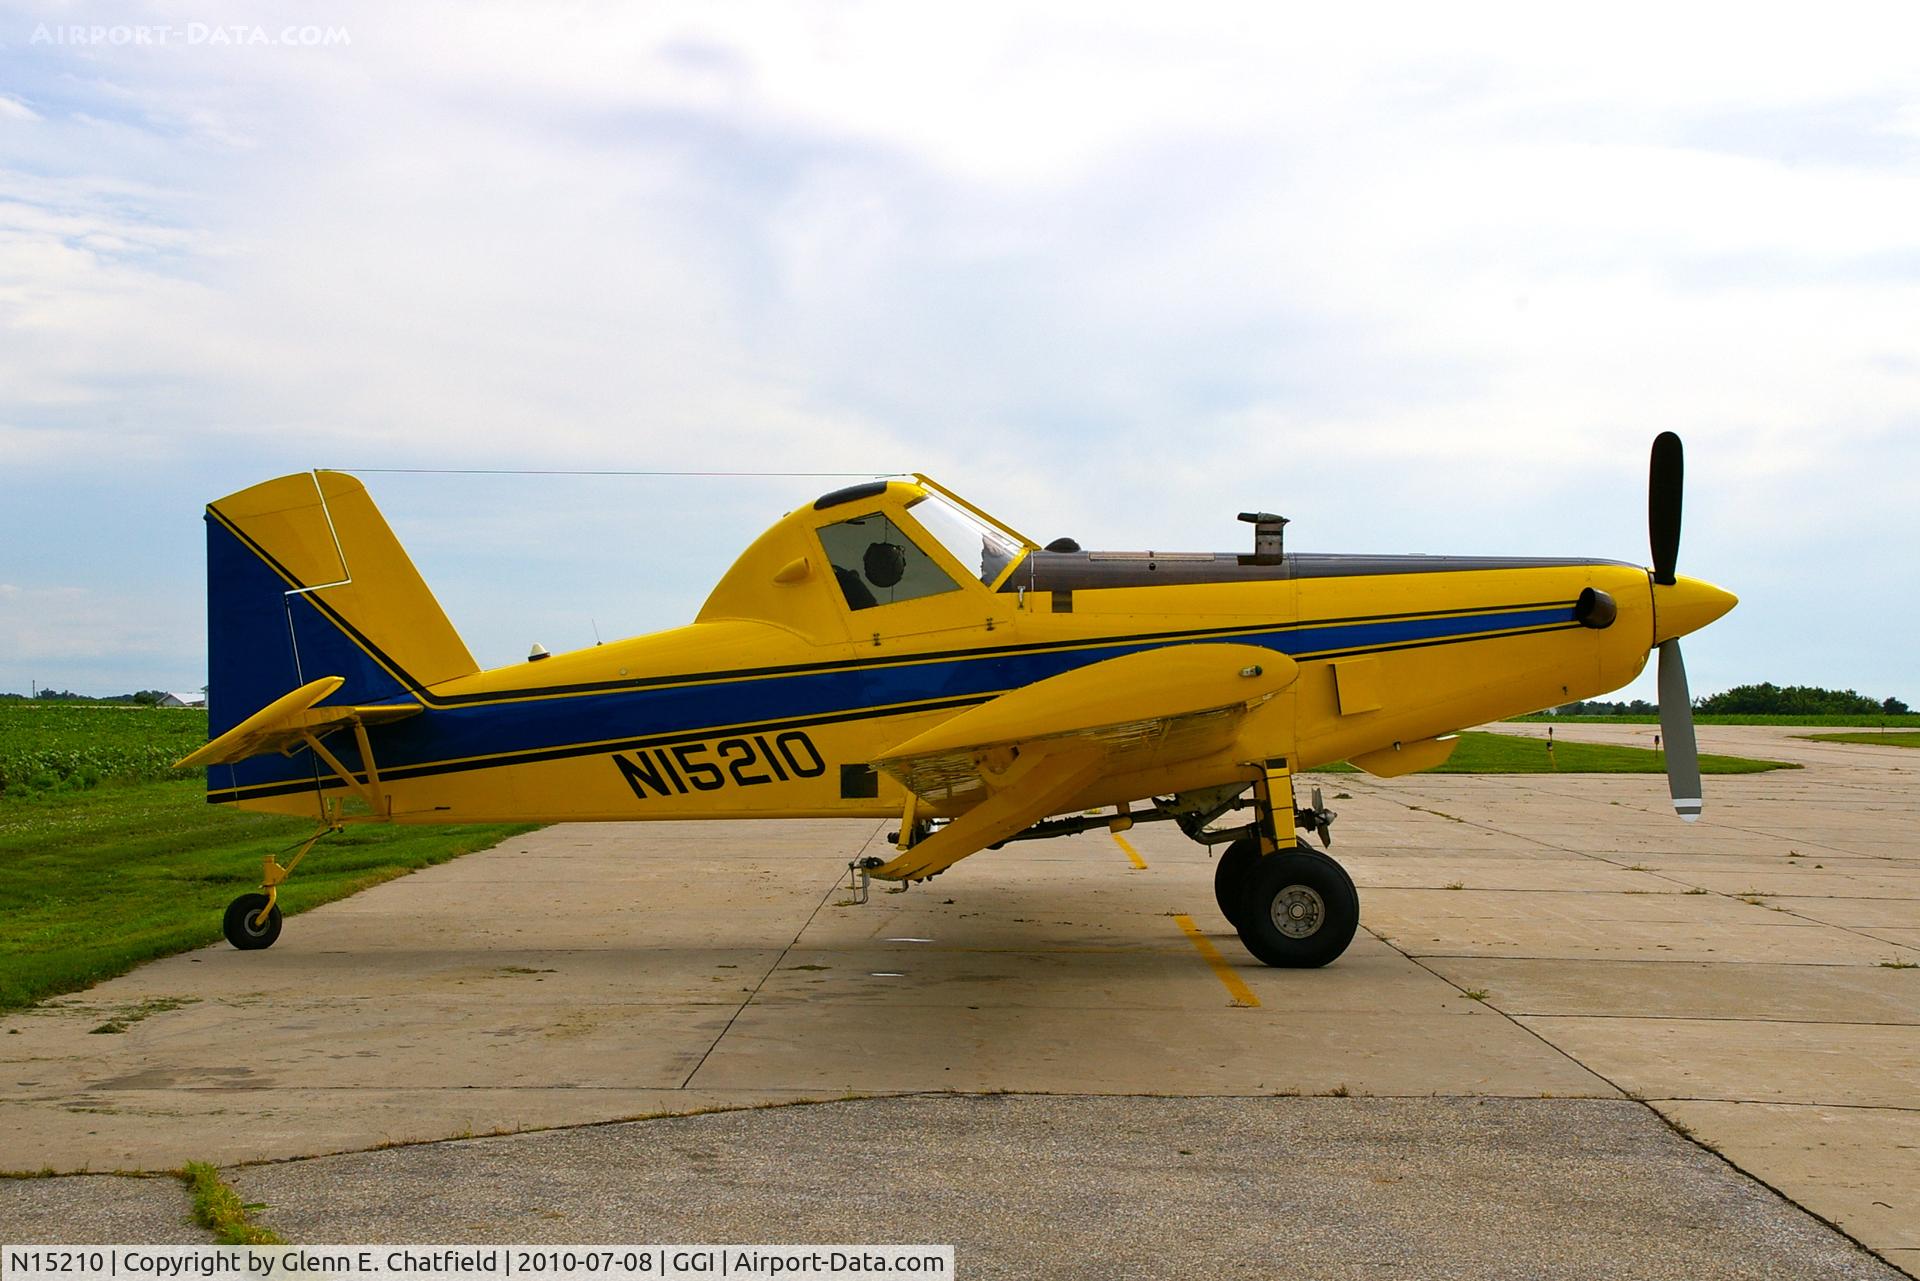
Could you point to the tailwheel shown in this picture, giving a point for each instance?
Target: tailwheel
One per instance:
(253, 920)
(244, 925)
(1231, 875)
(1297, 910)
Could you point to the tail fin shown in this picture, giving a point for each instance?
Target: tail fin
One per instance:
(304, 581)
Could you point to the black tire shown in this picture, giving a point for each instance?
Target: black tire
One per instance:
(1231, 875)
(1299, 910)
(239, 927)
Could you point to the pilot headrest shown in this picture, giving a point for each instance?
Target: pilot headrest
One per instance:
(884, 564)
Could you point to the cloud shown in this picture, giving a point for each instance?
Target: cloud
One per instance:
(1428, 284)
(46, 628)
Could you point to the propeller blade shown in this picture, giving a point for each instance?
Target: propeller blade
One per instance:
(1666, 477)
(1676, 726)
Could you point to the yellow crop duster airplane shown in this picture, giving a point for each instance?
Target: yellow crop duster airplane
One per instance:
(890, 650)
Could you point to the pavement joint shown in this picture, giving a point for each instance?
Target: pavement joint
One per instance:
(1630, 960)
(1511, 1020)
(1687, 1133)
(728, 1109)
(1705, 1018)
(1780, 1103)
(1415, 1187)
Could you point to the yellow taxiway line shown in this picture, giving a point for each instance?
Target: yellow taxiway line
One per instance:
(1132, 853)
(1239, 991)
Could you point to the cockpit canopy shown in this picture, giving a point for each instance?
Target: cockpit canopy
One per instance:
(865, 548)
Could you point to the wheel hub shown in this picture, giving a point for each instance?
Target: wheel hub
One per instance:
(1298, 911)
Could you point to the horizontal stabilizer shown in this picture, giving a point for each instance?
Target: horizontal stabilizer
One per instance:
(287, 722)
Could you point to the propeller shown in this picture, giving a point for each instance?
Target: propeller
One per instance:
(1665, 482)
(1676, 727)
(1666, 478)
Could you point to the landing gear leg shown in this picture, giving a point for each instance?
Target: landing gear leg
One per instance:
(1292, 907)
(252, 921)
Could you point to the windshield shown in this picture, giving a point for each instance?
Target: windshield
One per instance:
(980, 547)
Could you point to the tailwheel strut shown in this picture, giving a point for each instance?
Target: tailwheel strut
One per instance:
(252, 921)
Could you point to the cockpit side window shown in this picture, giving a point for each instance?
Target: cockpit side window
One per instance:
(876, 564)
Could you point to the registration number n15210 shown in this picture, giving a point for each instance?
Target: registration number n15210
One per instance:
(745, 761)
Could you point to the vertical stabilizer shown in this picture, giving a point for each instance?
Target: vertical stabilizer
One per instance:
(305, 580)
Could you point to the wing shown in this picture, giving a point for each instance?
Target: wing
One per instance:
(288, 721)
(1029, 752)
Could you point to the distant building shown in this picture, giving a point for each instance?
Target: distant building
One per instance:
(182, 700)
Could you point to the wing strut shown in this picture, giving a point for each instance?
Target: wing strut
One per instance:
(369, 790)
(1035, 784)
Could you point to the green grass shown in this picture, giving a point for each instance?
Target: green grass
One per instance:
(217, 1207)
(48, 747)
(94, 882)
(1897, 738)
(1481, 753)
(131, 1014)
(1905, 720)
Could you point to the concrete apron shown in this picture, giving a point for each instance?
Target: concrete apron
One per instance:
(1526, 937)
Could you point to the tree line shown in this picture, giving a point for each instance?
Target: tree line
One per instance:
(139, 698)
(1763, 699)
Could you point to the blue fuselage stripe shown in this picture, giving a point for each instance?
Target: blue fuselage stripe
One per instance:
(566, 726)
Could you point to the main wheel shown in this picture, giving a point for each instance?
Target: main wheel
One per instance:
(1298, 910)
(239, 923)
(1231, 874)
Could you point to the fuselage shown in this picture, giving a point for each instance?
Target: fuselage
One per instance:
(794, 678)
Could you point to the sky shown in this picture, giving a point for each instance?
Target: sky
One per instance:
(1421, 278)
